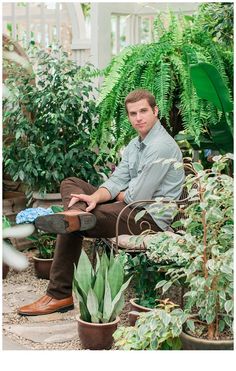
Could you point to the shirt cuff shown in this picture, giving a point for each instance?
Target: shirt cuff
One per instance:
(128, 197)
(113, 188)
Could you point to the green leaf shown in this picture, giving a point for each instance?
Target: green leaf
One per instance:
(84, 272)
(107, 307)
(122, 289)
(104, 263)
(166, 318)
(57, 208)
(166, 286)
(99, 286)
(118, 307)
(160, 284)
(229, 305)
(221, 325)
(139, 215)
(92, 303)
(210, 86)
(190, 324)
(115, 277)
(197, 166)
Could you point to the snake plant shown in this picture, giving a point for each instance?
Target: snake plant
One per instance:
(100, 291)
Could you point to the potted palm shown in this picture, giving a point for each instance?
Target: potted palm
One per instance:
(54, 141)
(100, 293)
(204, 257)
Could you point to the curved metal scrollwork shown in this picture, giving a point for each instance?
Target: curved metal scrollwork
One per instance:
(182, 203)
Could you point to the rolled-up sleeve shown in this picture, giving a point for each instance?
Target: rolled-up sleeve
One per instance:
(120, 179)
(146, 184)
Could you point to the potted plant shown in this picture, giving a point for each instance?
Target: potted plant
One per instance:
(42, 241)
(54, 142)
(45, 245)
(145, 277)
(100, 293)
(204, 256)
(158, 329)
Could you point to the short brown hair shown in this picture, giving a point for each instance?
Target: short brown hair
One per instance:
(137, 95)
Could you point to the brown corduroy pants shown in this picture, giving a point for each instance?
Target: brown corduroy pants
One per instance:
(68, 246)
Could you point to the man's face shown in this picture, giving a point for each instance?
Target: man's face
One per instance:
(142, 117)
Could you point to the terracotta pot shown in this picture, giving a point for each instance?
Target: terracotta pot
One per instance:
(96, 336)
(42, 267)
(5, 270)
(193, 343)
(133, 316)
(46, 200)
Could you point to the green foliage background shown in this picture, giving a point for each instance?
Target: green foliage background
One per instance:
(163, 68)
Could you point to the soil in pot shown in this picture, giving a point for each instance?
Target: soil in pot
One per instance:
(134, 310)
(42, 267)
(96, 336)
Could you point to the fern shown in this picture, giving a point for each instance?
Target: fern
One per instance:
(163, 68)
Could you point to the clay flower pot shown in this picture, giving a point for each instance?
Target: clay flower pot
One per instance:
(96, 336)
(46, 200)
(193, 343)
(133, 315)
(42, 267)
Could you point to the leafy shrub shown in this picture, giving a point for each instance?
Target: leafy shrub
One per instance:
(48, 124)
(158, 329)
(204, 252)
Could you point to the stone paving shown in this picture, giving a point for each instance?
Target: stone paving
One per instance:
(37, 332)
(54, 331)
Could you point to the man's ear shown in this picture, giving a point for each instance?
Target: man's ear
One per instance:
(155, 111)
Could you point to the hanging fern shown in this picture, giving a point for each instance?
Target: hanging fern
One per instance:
(163, 68)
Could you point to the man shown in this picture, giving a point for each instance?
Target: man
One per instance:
(91, 212)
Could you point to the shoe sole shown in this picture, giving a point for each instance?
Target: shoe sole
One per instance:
(62, 223)
(60, 310)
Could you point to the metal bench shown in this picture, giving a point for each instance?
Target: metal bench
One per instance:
(130, 245)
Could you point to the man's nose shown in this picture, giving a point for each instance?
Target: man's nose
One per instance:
(139, 116)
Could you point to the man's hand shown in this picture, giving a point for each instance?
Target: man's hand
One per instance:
(85, 198)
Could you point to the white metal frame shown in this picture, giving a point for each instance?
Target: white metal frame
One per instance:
(71, 32)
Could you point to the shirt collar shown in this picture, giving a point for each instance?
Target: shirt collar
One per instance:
(148, 139)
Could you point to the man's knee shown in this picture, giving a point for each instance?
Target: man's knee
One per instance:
(69, 181)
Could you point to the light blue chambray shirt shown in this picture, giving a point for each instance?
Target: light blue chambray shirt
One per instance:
(144, 179)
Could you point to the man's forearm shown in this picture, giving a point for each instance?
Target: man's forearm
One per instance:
(120, 196)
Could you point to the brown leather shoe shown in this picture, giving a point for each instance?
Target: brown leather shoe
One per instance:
(46, 305)
(66, 222)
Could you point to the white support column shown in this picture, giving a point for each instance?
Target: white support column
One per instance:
(58, 22)
(13, 9)
(100, 34)
(42, 26)
(117, 35)
(27, 12)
